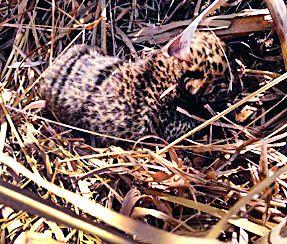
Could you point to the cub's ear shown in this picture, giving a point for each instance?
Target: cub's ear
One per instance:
(180, 46)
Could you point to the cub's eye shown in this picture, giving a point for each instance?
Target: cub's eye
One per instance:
(194, 85)
(196, 74)
(186, 79)
(193, 80)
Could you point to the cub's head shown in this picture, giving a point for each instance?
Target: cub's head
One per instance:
(202, 57)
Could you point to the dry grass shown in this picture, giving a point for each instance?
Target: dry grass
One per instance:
(60, 187)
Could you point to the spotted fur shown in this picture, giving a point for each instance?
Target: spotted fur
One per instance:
(124, 99)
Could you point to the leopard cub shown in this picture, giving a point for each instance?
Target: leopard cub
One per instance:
(130, 99)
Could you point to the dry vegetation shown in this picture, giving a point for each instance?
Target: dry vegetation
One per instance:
(223, 183)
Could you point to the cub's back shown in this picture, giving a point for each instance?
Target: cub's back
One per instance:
(73, 78)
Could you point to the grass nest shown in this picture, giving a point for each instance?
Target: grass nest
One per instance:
(57, 185)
